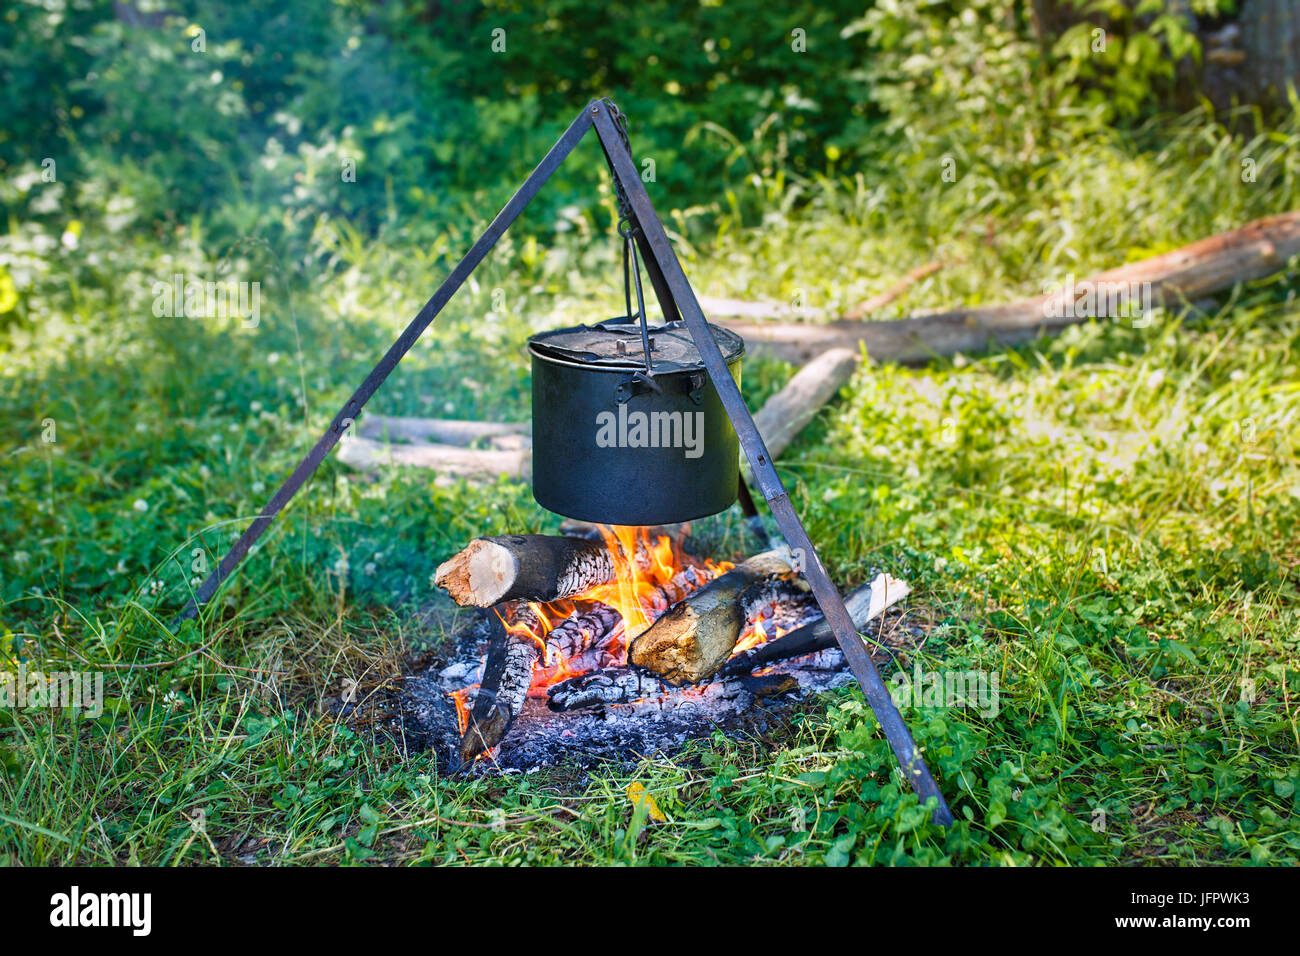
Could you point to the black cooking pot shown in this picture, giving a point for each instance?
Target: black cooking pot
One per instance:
(615, 445)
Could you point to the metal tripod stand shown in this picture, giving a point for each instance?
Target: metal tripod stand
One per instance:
(677, 300)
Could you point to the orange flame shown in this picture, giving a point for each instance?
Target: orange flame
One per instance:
(461, 698)
(755, 635)
(648, 580)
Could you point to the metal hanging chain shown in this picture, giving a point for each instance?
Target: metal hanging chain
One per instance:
(628, 230)
(620, 123)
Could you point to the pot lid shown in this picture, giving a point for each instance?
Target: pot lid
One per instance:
(616, 344)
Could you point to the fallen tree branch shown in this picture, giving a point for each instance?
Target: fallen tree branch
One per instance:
(762, 309)
(728, 308)
(1204, 267)
(785, 414)
(502, 435)
(363, 453)
(780, 419)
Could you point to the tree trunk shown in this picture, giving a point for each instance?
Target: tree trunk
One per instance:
(1270, 38)
(1207, 266)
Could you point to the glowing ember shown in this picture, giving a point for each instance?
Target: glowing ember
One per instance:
(756, 634)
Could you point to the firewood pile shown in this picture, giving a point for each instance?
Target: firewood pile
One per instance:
(624, 617)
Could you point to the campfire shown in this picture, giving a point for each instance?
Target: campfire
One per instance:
(605, 618)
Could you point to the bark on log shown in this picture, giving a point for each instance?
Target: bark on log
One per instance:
(524, 567)
(606, 650)
(785, 414)
(693, 638)
(728, 308)
(1270, 31)
(760, 309)
(441, 430)
(864, 605)
(507, 675)
(587, 639)
(1208, 266)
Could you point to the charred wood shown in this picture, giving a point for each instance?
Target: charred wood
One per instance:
(501, 435)
(614, 685)
(864, 605)
(689, 642)
(507, 675)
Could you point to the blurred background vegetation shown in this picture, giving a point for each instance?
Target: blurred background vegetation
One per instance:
(241, 115)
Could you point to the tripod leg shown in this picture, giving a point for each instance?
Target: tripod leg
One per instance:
(347, 415)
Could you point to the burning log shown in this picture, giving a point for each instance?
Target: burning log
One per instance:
(677, 588)
(587, 529)
(613, 685)
(507, 675)
(527, 567)
(625, 685)
(581, 629)
(606, 651)
(596, 639)
(864, 605)
(589, 638)
(694, 638)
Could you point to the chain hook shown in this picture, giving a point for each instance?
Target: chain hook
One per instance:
(628, 230)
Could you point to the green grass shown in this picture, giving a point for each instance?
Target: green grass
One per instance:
(1107, 520)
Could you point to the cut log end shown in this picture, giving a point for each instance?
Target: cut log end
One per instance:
(686, 646)
(479, 575)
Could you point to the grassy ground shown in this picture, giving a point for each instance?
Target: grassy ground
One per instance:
(1107, 521)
